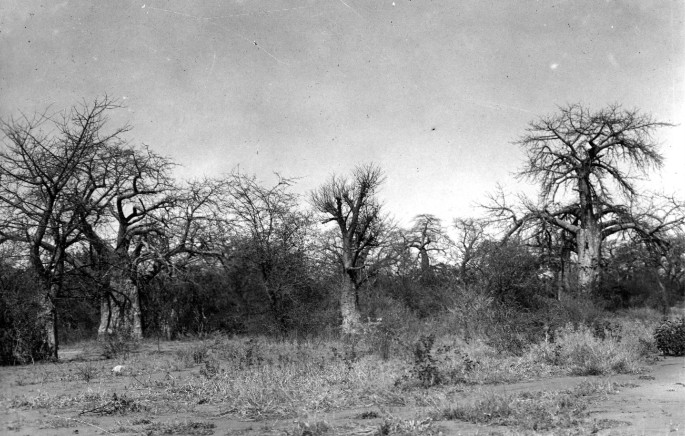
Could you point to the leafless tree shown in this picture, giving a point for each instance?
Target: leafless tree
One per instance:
(45, 186)
(470, 235)
(427, 235)
(586, 164)
(351, 204)
(190, 235)
(276, 231)
(136, 190)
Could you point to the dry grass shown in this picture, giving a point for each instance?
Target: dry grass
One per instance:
(262, 379)
(617, 347)
(540, 411)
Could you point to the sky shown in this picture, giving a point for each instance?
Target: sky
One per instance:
(433, 91)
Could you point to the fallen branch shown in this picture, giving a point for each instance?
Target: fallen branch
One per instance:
(81, 422)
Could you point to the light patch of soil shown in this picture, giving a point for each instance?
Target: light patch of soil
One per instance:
(652, 403)
(655, 407)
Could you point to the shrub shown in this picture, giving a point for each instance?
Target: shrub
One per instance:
(194, 354)
(425, 365)
(584, 353)
(444, 364)
(22, 338)
(537, 411)
(119, 344)
(87, 372)
(211, 369)
(670, 337)
(311, 429)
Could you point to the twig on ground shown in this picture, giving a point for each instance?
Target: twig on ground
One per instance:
(80, 422)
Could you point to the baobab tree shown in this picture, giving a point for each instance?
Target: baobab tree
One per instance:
(351, 204)
(426, 236)
(135, 192)
(586, 164)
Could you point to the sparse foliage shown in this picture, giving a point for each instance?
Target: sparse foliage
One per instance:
(356, 211)
(586, 164)
(47, 185)
(276, 235)
(427, 236)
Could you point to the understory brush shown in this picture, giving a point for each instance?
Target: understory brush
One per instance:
(261, 378)
(447, 362)
(538, 411)
(670, 337)
(598, 350)
(611, 345)
(120, 344)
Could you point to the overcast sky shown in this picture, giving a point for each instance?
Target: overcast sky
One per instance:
(433, 91)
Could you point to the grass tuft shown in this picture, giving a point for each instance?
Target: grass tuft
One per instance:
(540, 411)
(584, 351)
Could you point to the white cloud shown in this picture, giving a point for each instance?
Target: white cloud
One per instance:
(554, 66)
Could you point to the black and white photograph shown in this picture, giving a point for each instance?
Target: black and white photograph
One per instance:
(342, 217)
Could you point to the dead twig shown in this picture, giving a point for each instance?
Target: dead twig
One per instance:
(81, 422)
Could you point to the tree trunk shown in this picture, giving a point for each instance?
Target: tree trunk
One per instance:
(109, 316)
(425, 262)
(48, 321)
(564, 276)
(120, 309)
(663, 295)
(275, 304)
(351, 317)
(168, 324)
(588, 242)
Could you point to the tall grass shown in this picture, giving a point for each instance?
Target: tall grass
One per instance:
(421, 364)
(540, 411)
(606, 348)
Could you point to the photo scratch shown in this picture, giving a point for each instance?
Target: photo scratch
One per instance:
(267, 52)
(351, 8)
(499, 106)
(211, 68)
(219, 17)
(210, 21)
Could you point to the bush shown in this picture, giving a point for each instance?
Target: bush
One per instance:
(22, 338)
(584, 353)
(425, 366)
(119, 344)
(536, 411)
(670, 337)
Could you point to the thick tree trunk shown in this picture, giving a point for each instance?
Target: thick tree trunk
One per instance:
(565, 271)
(349, 298)
(48, 321)
(109, 316)
(120, 310)
(589, 243)
(349, 309)
(425, 262)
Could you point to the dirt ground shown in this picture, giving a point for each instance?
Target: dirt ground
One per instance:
(652, 403)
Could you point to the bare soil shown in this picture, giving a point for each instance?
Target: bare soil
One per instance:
(652, 403)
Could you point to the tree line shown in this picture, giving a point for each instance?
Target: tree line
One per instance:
(89, 220)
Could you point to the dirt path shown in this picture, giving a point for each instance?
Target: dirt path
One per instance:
(655, 407)
(649, 404)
